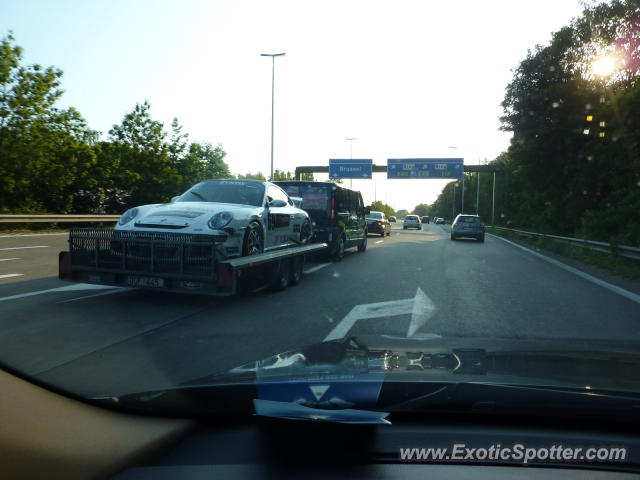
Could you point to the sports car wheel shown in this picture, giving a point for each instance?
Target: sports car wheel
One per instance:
(305, 233)
(253, 243)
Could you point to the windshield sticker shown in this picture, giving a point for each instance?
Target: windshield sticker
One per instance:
(336, 374)
(236, 182)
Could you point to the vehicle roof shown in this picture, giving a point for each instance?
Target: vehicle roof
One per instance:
(314, 183)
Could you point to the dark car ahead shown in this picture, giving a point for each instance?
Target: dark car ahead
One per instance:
(378, 223)
(425, 219)
(468, 226)
(337, 214)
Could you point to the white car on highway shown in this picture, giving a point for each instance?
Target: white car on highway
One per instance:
(411, 221)
(246, 217)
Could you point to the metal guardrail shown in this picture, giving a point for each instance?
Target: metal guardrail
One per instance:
(57, 218)
(620, 250)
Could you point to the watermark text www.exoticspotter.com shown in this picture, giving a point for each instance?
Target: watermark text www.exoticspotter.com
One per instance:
(518, 453)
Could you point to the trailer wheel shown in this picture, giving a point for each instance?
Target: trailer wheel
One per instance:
(253, 242)
(280, 275)
(297, 264)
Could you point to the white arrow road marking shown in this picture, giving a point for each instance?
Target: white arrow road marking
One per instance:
(7, 259)
(8, 275)
(419, 314)
(423, 309)
(319, 390)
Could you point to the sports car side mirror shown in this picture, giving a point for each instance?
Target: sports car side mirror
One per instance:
(277, 203)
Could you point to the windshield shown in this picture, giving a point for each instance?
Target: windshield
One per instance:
(468, 220)
(138, 145)
(315, 198)
(243, 193)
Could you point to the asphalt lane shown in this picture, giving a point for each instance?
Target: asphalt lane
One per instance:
(98, 342)
(29, 256)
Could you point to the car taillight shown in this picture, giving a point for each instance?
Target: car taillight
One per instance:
(379, 223)
(64, 265)
(333, 209)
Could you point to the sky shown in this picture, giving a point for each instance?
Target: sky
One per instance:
(408, 79)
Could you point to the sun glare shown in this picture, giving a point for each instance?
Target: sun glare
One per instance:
(603, 66)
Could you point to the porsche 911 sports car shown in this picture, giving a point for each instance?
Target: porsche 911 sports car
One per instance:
(247, 217)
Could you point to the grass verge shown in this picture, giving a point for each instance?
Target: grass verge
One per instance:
(624, 267)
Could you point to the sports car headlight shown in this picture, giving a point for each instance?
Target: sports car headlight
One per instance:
(128, 216)
(220, 220)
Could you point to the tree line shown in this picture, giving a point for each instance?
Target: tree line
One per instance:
(51, 161)
(573, 165)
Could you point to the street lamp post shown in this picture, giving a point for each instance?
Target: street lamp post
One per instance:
(477, 189)
(453, 205)
(273, 68)
(493, 201)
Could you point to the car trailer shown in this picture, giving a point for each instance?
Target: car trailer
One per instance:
(177, 262)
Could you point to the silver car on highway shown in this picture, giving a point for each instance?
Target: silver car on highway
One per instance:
(468, 226)
(411, 221)
(247, 216)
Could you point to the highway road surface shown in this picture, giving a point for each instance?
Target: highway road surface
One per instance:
(100, 341)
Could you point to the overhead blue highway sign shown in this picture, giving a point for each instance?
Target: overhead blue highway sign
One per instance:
(425, 168)
(350, 168)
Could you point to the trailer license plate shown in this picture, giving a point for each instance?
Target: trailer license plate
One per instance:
(144, 282)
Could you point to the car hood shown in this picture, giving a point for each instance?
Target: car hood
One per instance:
(593, 364)
(430, 375)
(180, 215)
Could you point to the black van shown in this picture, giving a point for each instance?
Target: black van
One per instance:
(338, 214)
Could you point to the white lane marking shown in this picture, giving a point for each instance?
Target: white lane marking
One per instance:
(8, 275)
(316, 268)
(385, 309)
(379, 241)
(117, 290)
(21, 248)
(69, 288)
(7, 259)
(423, 309)
(620, 291)
(32, 235)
